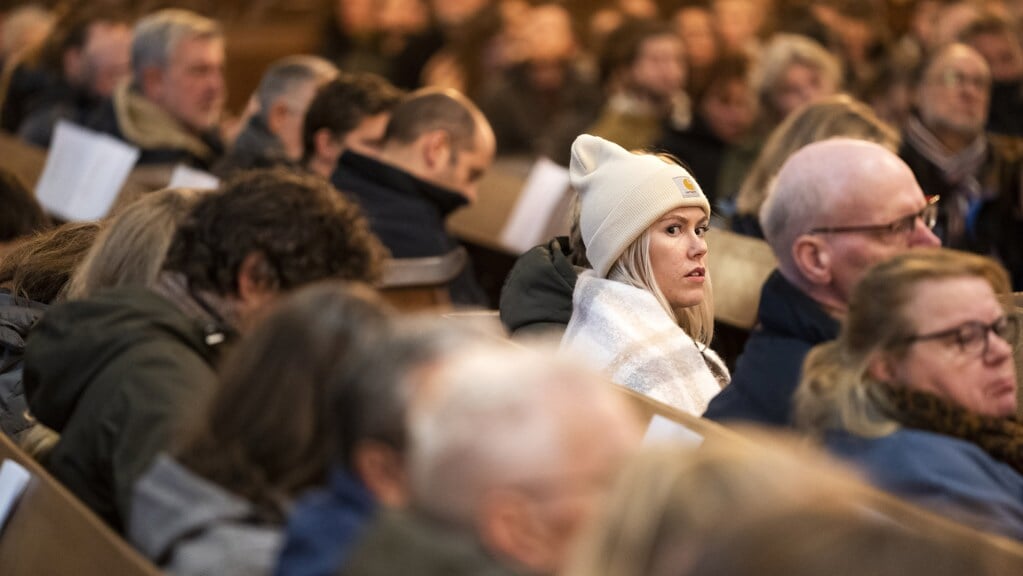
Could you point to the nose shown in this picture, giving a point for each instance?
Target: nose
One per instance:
(923, 236)
(699, 248)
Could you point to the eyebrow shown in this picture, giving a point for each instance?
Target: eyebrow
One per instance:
(683, 219)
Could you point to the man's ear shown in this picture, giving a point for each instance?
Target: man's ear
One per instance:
(812, 257)
(436, 149)
(152, 83)
(257, 280)
(509, 528)
(327, 146)
(382, 469)
(881, 367)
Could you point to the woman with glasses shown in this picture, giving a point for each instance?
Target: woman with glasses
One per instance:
(920, 387)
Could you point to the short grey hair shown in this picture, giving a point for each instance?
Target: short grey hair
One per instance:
(492, 418)
(289, 74)
(157, 36)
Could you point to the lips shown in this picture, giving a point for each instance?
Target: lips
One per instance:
(697, 273)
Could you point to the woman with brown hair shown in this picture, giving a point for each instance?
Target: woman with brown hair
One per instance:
(919, 389)
(33, 275)
(218, 505)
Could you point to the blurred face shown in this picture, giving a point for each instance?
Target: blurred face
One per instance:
(851, 254)
(455, 12)
(953, 94)
(695, 26)
(729, 109)
(1003, 54)
(466, 167)
(799, 84)
(191, 88)
(964, 371)
(677, 255)
(595, 446)
(658, 69)
(287, 125)
(106, 58)
(738, 22)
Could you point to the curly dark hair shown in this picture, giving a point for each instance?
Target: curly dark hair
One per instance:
(304, 229)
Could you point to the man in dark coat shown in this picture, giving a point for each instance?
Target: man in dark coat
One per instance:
(838, 207)
(272, 136)
(171, 108)
(976, 174)
(115, 375)
(436, 148)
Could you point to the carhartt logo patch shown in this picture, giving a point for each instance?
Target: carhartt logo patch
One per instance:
(686, 186)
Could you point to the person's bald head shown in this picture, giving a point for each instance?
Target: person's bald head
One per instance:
(442, 137)
(836, 184)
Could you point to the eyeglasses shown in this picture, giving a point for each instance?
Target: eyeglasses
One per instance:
(950, 78)
(973, 337)
(902, 227)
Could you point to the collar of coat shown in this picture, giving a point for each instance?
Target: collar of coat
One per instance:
(146, 125)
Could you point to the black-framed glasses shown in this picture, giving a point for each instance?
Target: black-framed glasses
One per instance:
(973, 337)
(902, 226)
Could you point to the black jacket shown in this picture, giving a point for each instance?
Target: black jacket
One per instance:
(700, 149)
(114, 375)
(537, 294)
(789, 324)
(255, 147)
(407, 214)
(17, 316)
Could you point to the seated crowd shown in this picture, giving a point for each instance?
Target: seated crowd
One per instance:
(224, 378)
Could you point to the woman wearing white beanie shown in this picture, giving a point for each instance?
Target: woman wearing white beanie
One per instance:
(644, 313)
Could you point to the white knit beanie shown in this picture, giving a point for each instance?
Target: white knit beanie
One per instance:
(622, 194)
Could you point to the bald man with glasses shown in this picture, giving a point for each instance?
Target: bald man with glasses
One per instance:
(836, 208)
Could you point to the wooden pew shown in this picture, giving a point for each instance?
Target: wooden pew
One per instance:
(414, 284)
(25, 161)
(51, 533)
(738, 267)
(646, 408)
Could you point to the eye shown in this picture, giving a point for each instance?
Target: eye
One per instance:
(702, 229)
(673, 230)
(970, 335)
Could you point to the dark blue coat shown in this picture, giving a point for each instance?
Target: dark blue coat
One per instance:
(789, 324)
(946, 475)
(323, 526)
(407, 214)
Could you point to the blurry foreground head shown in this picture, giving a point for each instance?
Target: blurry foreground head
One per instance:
(516, 447)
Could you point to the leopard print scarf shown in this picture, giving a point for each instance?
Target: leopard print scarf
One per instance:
(1001, 438)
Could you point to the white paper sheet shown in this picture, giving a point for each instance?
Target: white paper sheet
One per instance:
(13, 481)
(666, 431)
(84, 172)
(544, 189)
(187, 177)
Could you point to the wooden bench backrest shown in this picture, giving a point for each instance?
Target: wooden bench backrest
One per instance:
(51, 533)
(738, 265)
(646, 407)
(414, 284)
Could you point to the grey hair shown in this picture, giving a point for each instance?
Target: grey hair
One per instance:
(289, 74)
(634, 268)
(493, 419)
(156, 37)
(370, 401)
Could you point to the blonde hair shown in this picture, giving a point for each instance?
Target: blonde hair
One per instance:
(836, 391)
(840, 115)
(131, 248)
(634, 268)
